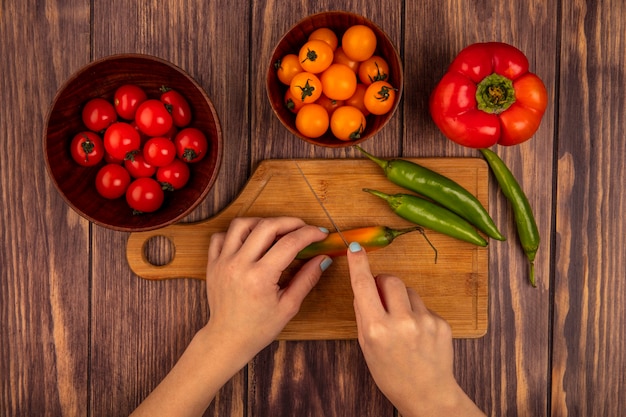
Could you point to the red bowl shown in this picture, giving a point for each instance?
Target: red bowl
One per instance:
(291, 42)
(77, 184)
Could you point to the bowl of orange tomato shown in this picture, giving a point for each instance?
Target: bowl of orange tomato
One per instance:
(335, 79)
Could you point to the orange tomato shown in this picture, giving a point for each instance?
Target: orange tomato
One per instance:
(315, 56)
(373, 69)
(359, 42)
(380, 97)
(329, 104)
(327, 35)
(340, 57)
(291, 102)
(287, 67)
(312, 120)
(306, 87)
(347, 123)
(357, 99)
(338, 82)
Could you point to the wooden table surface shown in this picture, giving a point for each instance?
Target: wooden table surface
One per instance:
(81, 335)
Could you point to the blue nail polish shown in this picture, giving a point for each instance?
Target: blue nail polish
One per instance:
(325, 264)
(354, 247)
(325, 230)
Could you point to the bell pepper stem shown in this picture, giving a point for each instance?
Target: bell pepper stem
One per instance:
(495, 93)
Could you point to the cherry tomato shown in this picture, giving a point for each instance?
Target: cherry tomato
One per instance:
(306, 87)
(359, 42)
(287, 67)
(357, 99)
(191, 145)
(98, 114)
(327, 35)
(138, 167)
(329, 104)
(315, 56)
(291, 102)
(340, 57)
(159, 151)
(338, 82)
(112, 181)
(126, 100)
(109, 159)
(87, 149)
(347, 123)
(379, 97)
(373, 69)
(173, 176)
(152, 118)
(145, 195)
(312, 120)
(177, 105)
(121, 139)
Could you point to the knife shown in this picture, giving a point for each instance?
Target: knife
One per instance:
(319, 201)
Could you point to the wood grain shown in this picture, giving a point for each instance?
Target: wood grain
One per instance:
(589, 310)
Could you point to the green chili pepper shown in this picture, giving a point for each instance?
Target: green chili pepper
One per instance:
(440, 189)
(427, 214)
(371, 238)
(527, 231)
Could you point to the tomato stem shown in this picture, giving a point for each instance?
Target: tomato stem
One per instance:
(495, 94)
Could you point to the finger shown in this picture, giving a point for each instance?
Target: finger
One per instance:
(216, 243)
(366, 297)
(393, 293)
(265, 234)
(301, 285)
(237, 233)
(287, 247)
(417, 304)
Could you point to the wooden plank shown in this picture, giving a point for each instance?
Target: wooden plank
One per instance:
(517, 344)
(140, 329)
(455, 286)
(348, 388)
(589, 352)
(44, 281)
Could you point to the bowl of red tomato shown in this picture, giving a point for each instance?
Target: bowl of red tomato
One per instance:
(132, 142)
(334, 79)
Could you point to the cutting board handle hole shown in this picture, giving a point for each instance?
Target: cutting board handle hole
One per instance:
(159, 250)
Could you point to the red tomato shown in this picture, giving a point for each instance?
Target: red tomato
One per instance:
(191, 144)
(120, 139)
(138, 167)
(126, 100)
(159, 151)
(98, 114)
(173, 176)
(112, 181)
(177, 105)
(87, 149)
(145, 195)
(152, 118)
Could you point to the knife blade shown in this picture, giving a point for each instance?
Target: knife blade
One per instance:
(319, 201)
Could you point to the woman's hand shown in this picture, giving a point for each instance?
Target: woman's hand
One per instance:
(248, 309)
(245, 264)
(407, 348)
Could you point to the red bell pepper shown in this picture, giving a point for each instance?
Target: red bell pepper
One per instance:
(488, 96)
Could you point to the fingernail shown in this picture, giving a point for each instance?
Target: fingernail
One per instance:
(326, 263)
(323, 229)
(354, 247)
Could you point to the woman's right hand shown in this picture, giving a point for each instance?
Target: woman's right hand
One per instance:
(408, 349)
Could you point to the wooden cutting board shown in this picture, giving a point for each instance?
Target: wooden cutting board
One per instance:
(455, 287)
